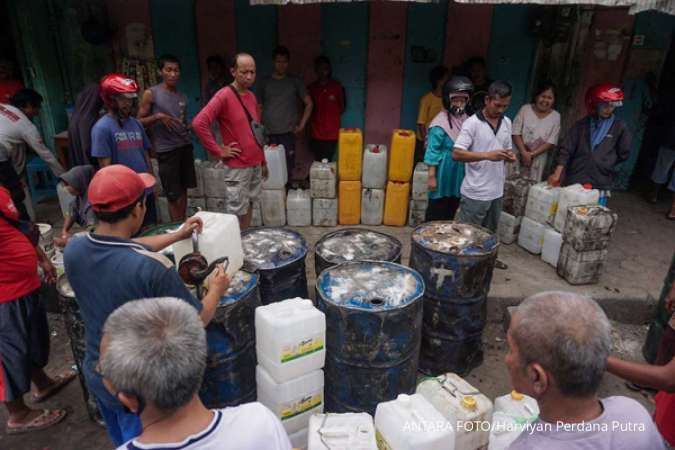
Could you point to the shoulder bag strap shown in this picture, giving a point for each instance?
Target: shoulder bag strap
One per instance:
(248, 114)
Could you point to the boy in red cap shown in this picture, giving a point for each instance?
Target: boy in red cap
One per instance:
(106, 269)
(24, 340)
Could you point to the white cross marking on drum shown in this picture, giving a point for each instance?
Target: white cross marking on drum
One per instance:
(441, 273)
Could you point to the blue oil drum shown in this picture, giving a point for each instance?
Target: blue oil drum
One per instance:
(355, 244)
(456, 261)
(278, 255)
(75, 329)
(373, 331)
(229, 379)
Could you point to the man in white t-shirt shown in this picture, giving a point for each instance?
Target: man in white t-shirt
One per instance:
(153, 356)
(484, 144)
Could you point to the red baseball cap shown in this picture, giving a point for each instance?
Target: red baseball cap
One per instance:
(115, 187)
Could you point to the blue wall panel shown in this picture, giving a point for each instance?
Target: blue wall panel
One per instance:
(511, 52)
(257, 34)
(173, 26)
(425, 40)
(344, 39)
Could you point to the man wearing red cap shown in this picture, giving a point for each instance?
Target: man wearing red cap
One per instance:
(107, 269)
(118, 138)
(24, 331)
(595, 144)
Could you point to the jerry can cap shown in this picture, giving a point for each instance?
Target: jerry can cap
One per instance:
(469, 402)
(515, 395)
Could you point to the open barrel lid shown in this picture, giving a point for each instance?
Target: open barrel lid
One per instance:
(370, 285)
(271, 248)
(355, 244)
(454, 238)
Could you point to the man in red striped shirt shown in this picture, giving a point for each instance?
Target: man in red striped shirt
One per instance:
(24, 332)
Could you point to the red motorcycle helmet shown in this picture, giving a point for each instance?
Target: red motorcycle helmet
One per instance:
(603, 93)
(116, 84)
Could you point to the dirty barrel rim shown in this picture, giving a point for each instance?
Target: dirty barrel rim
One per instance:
(272, 248)
(454, 238)
(242, 283)
(370, 285)
(355, 246)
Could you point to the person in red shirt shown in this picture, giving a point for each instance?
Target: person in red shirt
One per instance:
(24, 336)
(235, 109)
(328, 96)
(8, 84)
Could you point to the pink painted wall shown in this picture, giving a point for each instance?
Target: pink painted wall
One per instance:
(216, 33)
(386, 51)
(467, 32)
(120, 14)
(299, 29)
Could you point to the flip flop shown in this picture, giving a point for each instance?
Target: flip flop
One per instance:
(59, 382)
(45, 420)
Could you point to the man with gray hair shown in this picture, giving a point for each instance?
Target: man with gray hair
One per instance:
(558, 348)
(153, 356)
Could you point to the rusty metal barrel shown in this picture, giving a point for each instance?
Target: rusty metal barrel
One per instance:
(355, 244)
(278, 255)
(456, 261)
(75, 330)
(229, 379)
(373, 329)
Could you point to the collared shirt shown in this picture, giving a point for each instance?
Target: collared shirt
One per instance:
(105, 273)
(248, 426)
(484, 180)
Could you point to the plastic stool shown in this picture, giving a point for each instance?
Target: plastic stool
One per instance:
(41, 180)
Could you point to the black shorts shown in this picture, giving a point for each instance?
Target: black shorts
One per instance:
(323, 149)
(24, 344)
(177, 171)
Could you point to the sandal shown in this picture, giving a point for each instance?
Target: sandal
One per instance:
(500, 265)
(59, 382)
(46, 419)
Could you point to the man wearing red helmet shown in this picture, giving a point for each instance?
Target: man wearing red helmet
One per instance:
(595, 144)
(119, 138)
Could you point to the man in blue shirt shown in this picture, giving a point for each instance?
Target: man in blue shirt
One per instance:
(107, 269)
(119, 138)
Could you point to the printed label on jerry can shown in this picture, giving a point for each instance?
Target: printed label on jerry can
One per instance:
(292, 409)
(290, 352)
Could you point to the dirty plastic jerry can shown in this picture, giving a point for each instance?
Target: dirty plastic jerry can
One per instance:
(256, 214)
(350, 150)
(589, 227)
(273, 202)
(411, 422)
(512, 413)
(214, 179)
(194, 205)
(348, 431)
(508, 228)
(277, 173)
(420, 188)
(515, 196)
(323, 179)
(325, 212)
(531, 235)
(396, 204)
(163, 210)
(211, 243)
(372, 206)
(290, 338)
(550, 250)
(402, 155)
(299, 208)
(461, 404)
(294, 401)
(349, 203)
(417, 212)
(215, 204)
(299, 438)
(542, 203)
(573, 195)
(581, 267)
(375, 167)
(65, 198)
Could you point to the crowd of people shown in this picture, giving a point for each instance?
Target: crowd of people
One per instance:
(145, 343)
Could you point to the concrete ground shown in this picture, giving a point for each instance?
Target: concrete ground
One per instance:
(638, 260)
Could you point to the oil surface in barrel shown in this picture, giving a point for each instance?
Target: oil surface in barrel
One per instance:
(279, 256)
(229, 379)
(373, 331)
(456, 261)
(75, 329)
(355, 244)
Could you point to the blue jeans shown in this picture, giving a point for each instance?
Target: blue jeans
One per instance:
(122, 426)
